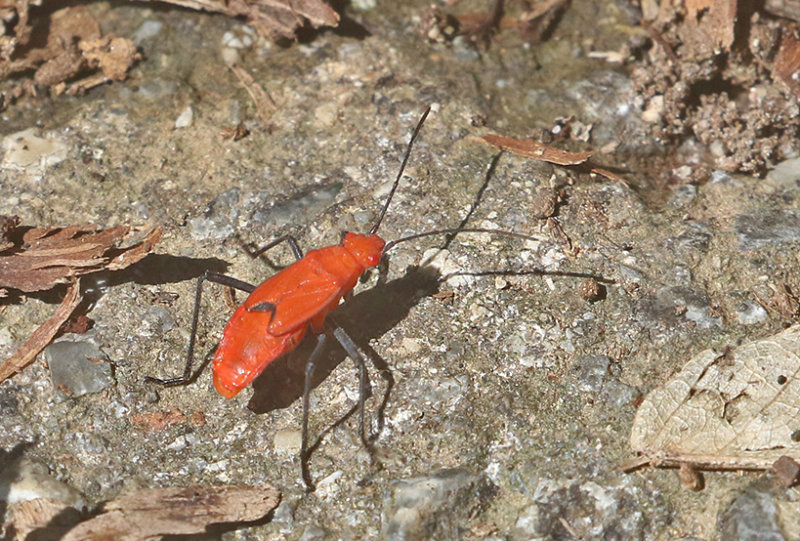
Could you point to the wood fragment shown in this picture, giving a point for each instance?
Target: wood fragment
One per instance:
(715, 18)
(787, 63)
(537, 150)
(44, 257)
(42, 518)
(609, 175)
(159, 420)
(270, 18)
(130, 255)
(43, 335)
(152, 513)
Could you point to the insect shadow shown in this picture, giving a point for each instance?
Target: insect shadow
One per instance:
(366, 316)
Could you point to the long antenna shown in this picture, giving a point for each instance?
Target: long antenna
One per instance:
(400, 174)
(391, 244)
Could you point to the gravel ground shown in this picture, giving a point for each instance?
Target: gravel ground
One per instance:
(512, 395)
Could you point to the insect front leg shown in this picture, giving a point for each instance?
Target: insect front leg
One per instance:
(211, 277)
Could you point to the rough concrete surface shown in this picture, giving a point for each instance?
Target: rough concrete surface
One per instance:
(512, 395)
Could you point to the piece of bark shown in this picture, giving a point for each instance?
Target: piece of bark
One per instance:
(787, 62)
(45, 257)
(153, 513)
(270, 18)
(43, 335)
(50, 519)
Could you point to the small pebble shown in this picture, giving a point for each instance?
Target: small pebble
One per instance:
(77, 368)
(750, 313)
(185, 119)
(287, 441)
(147, 30)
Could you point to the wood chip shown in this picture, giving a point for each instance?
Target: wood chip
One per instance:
(42, 518)
(45, 257)
(43, 335)
(717, 17)
(270, 18)
(787, 62)
(152, 513)
(159, 420)
(537, 150)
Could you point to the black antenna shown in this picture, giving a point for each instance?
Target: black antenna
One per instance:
(456, 231)
(400, 174)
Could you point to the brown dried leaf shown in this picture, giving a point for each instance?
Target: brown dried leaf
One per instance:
(44, 257)
(42, 336)
(537, 150)
(270, 18)
(151, 513)
(736, 410)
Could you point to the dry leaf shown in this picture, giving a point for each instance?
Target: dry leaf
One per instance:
(36, 259)
(42, 336)
(270, 18)
(152, 513)
(537, 150)
(737, 410)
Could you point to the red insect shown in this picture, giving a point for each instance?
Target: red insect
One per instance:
(276, 316)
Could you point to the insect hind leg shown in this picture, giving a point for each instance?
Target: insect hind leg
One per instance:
(363, 387)
(210, 277)
(304, 449)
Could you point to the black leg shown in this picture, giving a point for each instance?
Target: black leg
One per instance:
(211, 277)
(363, 388)
(298, 253)
(312, 360)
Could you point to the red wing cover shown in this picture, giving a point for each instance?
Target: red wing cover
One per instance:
(299, 292)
